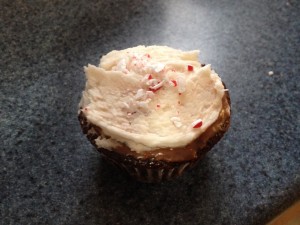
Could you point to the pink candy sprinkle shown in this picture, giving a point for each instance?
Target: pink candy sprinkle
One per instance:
(190, 68)
(197, 123)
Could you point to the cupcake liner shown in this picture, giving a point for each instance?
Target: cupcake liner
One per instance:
(147, 170)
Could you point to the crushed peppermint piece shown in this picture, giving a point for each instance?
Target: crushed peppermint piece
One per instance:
(270, 73)
(197, 123)
(158, 86)
(121, 66)
(157, 105)
(147, 77)
(125, 105)
(154, 90)
(143, 104)
(149, 94)
(190, 68)
(181, 84)
(152, 82)
(176, 121)
(173, 83)
(226, 89)
(140, 94)
(158, 67)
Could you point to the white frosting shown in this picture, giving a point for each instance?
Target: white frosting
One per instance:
(147, 98)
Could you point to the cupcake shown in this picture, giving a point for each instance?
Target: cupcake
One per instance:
(153, 111)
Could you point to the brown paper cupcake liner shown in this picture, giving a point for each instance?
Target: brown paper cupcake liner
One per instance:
(147, 170)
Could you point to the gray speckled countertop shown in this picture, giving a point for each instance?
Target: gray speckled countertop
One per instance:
(49, 172)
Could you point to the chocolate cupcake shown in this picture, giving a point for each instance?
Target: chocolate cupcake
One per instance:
(153, 111)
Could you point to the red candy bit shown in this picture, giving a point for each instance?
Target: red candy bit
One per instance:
(153, 89)
(174, 82)
(190, 68)
(150, 77)
(147, 55)
(179, 93)
(157, 105)
(197, 123)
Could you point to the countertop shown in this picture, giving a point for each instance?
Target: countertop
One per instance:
(50, 173)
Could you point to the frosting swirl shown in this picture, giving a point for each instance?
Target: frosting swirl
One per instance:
(151, 97)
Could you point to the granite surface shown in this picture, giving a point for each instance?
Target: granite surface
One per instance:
(50, 173)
